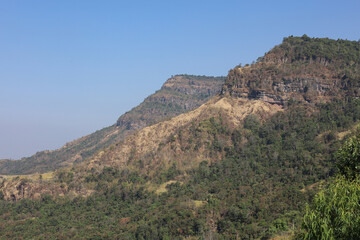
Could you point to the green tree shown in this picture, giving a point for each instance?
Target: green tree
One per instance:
(348, 158)
(335, 211)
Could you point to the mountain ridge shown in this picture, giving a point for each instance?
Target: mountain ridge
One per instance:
(161, 138)
(175, 97)
(302, 69)
(242, 165)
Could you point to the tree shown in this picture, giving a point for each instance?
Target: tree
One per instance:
(348, 157)
(335, 211)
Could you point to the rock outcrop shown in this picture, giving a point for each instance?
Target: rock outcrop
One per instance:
(301, 69)
(20, 188)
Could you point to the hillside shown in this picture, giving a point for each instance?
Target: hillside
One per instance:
(310, 79)
(300, 69)
(241, 166)
(179, 94)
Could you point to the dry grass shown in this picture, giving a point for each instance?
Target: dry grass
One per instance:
(147, 140)
(198, 203)
(162, 187)
(284, 236)
(36, 176)
(312, 186)
(341, 135)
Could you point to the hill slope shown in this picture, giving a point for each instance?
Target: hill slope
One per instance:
(299, 71)
(179, 94)
(241, 166)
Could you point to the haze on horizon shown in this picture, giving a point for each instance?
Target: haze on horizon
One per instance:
(70, 68)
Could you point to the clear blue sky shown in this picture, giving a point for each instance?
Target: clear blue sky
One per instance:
(68, 68)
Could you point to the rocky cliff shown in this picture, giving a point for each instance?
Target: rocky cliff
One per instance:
(301, 69)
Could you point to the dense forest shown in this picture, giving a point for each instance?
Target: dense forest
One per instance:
(258, 190)
(334, 212)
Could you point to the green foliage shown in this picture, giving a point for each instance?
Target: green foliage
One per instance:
(64, 176)
(168, 174)
(300, 48)
(252, 123)
(335, 212)
(256, 191)
(348, 158)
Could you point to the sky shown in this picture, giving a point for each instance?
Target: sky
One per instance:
(69, 68)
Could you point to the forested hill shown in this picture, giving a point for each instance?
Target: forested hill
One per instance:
(243, 165)
(179, 94)
(300, 69)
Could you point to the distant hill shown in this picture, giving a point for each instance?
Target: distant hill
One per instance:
(179, 94)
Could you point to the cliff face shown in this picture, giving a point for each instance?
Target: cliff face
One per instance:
(178, 95)
(272, 83)
(17, 189)
(301, 69)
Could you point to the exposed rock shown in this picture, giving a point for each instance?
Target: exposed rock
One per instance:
(301, 68)
(278, 83)
(17, 189)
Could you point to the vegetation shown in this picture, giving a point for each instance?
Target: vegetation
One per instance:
(314, 68)
(339, 56)
(335, 213)
(348, 158)
(259, 188)
(261, 175)
(306, 48)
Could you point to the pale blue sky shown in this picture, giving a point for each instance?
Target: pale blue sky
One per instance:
(68, 68)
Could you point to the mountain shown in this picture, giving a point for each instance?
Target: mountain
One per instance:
(179, 94)
(300, 69)
(243, 165)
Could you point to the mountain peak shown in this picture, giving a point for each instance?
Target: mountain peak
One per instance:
(323, 50)
(302, 69)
